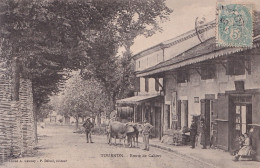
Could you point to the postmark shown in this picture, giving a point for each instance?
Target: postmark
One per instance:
(234, 25)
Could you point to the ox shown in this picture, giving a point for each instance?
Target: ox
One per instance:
(133, 136)
(118, 130)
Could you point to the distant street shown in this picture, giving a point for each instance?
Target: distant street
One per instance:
(59, 147)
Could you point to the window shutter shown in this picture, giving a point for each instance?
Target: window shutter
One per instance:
(230, 68)
(223, 121)
(157, 85)
(147, 84)
(187, 75)
(185, 105)
(137, 84)
(179, 114)
(239, 66)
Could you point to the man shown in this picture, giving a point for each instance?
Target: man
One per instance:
(146, 133)
(203, 133)
(193, 132)
(88, 125)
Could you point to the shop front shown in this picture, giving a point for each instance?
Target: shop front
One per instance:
(140, 108)
(237, 113)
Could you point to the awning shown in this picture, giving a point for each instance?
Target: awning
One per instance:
(204, 51)
(136, 99)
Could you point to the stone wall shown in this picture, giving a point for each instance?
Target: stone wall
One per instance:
(16, 120)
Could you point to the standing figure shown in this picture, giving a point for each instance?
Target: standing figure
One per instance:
(202, 133)
(88, 125)
(246, 150)
(193, 132)
(146, 133)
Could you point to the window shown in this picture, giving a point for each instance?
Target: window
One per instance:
(182, 76)
(147, 84)
(208, 71)
(236, 66)
(243, 117)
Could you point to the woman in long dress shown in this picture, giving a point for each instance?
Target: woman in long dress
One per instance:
(246, 150)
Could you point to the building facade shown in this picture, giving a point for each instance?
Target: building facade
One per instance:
(219, 84)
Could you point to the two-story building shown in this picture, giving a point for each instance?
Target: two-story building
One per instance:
(219, 84)
(147, 104)
(199, 78)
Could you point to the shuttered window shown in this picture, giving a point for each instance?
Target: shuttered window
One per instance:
(182, 76)
(236, 66)
(208, 71)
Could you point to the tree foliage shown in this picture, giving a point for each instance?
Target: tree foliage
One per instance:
(49, 38)
(82, 98)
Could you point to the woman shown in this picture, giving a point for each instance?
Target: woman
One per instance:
(246, 150)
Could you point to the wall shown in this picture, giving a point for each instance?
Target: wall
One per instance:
(172, 48)
(17, 120)
(149, 60)
(198, 88)
(152, 90)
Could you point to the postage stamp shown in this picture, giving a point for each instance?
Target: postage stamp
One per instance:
(234, 25)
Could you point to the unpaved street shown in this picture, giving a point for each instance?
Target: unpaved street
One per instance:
(59, 147)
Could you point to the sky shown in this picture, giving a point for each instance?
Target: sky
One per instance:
(182, 20)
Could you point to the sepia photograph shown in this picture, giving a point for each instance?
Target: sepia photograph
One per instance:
(129, 83)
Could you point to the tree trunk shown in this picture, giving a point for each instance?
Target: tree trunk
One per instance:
(15, 79)
(98, 119)
(35, 112)
(77, 122)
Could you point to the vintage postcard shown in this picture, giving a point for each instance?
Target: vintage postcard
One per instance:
(129, 83)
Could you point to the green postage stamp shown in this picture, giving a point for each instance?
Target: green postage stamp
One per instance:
(234, 25)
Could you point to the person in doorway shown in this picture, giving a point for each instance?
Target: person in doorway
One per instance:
(246, 150)
(193, 132)
(88, 125)
(202, 133)
(146, 133)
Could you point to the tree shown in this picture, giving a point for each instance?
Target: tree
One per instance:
(82, 98)
(131, 19)
(45, 40)
(44, 111)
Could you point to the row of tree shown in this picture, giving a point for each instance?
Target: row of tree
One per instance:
(44, 40)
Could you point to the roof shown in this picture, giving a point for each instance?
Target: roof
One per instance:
(204, 51)
(136, 99)
(175, 40)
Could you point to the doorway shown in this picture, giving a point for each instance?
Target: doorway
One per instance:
(241, 118)
(207, 113)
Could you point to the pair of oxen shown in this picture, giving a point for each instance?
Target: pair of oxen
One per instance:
(123, 131)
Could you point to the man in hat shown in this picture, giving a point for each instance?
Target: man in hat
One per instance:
(203, 133)
(88, 125)
(193, 132)
(146, 133)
